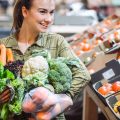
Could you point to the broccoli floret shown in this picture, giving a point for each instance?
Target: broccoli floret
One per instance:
(59, 73)
(66, 86)
(58, 87)
(53, 76)
(65, 71)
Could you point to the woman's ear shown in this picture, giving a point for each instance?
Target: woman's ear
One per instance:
(24, 11)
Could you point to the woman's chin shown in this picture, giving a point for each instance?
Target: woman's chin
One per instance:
(43, 30)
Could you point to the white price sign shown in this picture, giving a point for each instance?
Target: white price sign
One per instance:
(108, 74)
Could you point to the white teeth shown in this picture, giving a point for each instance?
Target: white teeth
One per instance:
(43, 25)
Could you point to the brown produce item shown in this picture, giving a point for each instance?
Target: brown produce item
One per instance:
(9, 55)
(3, 54)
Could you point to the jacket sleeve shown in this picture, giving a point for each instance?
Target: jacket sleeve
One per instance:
(80, 75)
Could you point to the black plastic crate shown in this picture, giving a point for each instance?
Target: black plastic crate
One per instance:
(111, 100)
(99, 84)
(110, 71)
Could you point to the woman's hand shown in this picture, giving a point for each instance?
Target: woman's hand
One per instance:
(59, 107)
(45, 104)
(39, 99)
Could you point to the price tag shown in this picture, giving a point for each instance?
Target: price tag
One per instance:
(108, 74)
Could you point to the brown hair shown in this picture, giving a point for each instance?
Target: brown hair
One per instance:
(17, 13)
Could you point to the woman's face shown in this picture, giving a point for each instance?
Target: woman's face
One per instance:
(41, 15)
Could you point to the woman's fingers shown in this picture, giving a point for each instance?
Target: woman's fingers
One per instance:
(5, 96)
(51, 101)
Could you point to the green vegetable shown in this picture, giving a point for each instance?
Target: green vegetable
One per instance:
(8, 74)
(16, 105)
(35, 80)
(1, 70)
(70, 62)
(58, 87)
(4, 112)
(43, 53)
(59, 74)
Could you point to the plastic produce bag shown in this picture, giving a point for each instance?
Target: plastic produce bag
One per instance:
(37, 100)
(44, 104)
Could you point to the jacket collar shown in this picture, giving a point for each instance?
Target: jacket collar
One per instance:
(41, 41)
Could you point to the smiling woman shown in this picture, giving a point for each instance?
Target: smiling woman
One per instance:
(31, 19)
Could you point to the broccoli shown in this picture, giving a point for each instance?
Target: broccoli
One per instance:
(58, 87)
(53, 76)
(59, 74)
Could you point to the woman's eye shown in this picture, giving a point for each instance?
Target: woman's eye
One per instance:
(42, 12)
(52, 12)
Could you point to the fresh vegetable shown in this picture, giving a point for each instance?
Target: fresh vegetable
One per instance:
(9, 55)
(43, 53)
(103, 90)
(58, 75)
(16, 104)
(1, 69)
(8, 78)
(3, 54)
(116, 86)
(15, 67)
(34, 80)
(37, 71)
(34, 65)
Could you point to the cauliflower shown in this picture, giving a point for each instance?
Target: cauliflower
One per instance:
(34, 65)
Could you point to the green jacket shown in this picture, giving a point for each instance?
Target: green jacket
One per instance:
(58, 47)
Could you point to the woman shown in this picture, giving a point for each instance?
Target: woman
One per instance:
(31, 19)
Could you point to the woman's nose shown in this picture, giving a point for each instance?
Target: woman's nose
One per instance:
(49, 18)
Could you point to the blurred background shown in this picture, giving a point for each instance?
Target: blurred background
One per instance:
(76, 15)
(85, 24)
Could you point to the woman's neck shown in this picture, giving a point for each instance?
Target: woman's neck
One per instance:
(26, 35)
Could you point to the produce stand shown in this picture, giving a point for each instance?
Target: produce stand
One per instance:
(90, 106)
(93, 99)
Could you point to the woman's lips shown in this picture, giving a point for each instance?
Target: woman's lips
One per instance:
(45, 26)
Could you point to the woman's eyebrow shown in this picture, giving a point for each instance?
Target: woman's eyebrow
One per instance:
(46, 9)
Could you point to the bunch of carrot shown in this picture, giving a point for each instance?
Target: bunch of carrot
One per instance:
(6, 54)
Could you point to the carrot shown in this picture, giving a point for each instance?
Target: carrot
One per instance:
(3, 54)
(9, 55)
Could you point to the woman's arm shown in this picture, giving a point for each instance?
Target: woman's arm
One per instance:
(80, 74)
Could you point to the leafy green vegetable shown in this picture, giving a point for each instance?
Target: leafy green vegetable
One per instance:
(1, 70)
(14, 106)
(4, 112)
(43, 53)
(8, 74)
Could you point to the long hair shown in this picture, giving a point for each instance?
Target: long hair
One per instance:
(17, 13)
